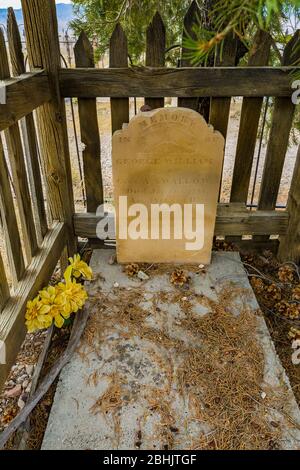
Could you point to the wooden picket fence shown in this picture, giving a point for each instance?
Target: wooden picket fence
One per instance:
(35, 169)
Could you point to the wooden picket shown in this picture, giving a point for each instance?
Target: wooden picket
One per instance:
(249, 122)
(30, 140)
(191, 17)
(18, 167)
(89, 129)
(283, 114)
(155, 53)
(9, 222)
(250, 117)
(118, 57)
(220, 107)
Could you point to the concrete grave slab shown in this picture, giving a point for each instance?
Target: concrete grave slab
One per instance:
(146, 409)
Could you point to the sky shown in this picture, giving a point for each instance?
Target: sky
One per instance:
(17, 3)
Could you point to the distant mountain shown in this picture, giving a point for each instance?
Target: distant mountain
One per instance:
(64, 16)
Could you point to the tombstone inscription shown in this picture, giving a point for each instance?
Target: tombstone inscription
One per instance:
(167, 166)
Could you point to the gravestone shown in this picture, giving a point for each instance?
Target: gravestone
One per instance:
(167, 166)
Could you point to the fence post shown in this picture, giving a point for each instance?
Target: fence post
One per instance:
(191, 18)
(41, 29)
(220, 107)
(155, 52)
(118, 57)
(282, 122)
(90, 137)
(9, 223)
(250, 116)
(289, 248)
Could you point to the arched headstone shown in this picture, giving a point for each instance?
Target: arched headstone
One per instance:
(167, 166)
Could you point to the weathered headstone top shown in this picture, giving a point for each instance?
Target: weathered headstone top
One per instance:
(167, 166)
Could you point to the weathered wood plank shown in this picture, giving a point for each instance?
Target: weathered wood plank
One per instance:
(12, 325)
(185, 82)
(118, 57)
(250, 116)
(278, 143)
(27, 126)
(18, 168)
(42, 40)
(9, 222)
(4, 288)
(22, 435)
(191, 18)
(279, 136)
(21, 187)
(90, 137)
(23, 95)
(30, 142)
(14, 44)
(231, 220)
(289, 249)
(155, 53)
(282, 122)
(245, 222)
(220, 107)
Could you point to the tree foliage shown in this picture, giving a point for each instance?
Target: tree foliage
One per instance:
(218, 18)
(242, 18)
(99, 17)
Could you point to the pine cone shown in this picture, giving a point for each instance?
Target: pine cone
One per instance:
(282, 307)
(288, 310)
(258, 285)
(179, 278)
(132, 270)
(294, 333)
(294, 311)
(286, 274)
(296, 293)
(274, 292)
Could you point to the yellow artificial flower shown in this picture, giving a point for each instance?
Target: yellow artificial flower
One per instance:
(59, 311)
(37, 315)
(57, 303)
(71, 294)
(80, 268)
